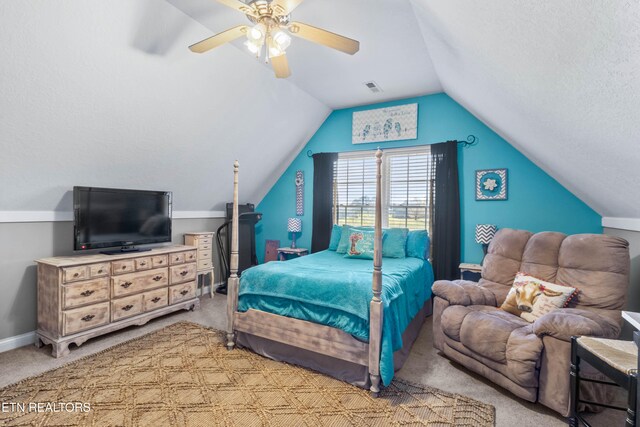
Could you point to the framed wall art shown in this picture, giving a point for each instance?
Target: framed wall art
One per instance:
(491, 184)
(385, 124)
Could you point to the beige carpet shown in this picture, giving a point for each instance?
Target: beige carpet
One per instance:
(183, 375)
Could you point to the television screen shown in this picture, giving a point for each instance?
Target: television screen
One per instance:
(108, 217)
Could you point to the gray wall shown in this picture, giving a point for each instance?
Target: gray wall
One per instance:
(633, 296)
(21, 243)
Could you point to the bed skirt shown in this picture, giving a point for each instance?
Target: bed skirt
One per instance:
(346, 371)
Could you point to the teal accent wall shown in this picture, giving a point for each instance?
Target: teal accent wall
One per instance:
(536, 202)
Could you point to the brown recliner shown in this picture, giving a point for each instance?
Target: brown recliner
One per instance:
(532, 359)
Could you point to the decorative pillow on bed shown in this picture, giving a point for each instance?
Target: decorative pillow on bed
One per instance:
(394, 241)
(344, 242)
(540, 296)
(418, 244)
(360, 244)
(336, 233)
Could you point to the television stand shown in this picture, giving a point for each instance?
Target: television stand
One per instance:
(125, 250)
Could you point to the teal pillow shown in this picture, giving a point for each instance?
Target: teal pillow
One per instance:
(418, 244)
(336, 233)
(344, 243)
(394, 241)
(360, 244)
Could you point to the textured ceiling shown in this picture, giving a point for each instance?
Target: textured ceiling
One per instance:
(559, 80)
(106, 93)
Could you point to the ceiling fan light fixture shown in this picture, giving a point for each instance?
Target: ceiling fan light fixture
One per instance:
(257, 33)
(253, 47)
(281, 39)
(275, 51)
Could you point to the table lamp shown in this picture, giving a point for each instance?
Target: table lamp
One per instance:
(484, 234)
(294, 225)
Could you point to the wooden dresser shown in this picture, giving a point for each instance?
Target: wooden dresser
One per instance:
(203, 241)
(84, 296)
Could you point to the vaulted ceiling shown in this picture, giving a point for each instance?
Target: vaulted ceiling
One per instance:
(559, 80)
(106, 93)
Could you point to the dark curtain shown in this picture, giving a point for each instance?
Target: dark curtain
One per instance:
(446, 211)
(322, 200)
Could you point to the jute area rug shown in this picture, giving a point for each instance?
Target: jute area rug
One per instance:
(183, 375)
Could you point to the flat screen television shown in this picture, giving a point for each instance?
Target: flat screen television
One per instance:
(109, 217)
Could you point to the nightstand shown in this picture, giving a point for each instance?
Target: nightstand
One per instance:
(203, 241)
(470, 271)
(292, 252)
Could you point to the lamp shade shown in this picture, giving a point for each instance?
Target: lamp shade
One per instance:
(485, 232)
(294, 225)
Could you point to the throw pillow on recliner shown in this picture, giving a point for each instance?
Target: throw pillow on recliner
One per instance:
(531, 298)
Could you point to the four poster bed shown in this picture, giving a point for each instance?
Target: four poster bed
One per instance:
(325, 312)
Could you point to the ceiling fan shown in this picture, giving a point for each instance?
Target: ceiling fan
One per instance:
(272, 26)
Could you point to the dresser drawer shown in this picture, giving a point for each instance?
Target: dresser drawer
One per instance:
(74, 274)
(126, 307)
(124, 266)
(83, 293)
(79, 319)
(99, 270)
(143, 263)
(155, 299)
(204, 264)
(182, 292)
(204, 247)
(202, 240)
(182, 273)
(137, 282)
(204, 254)
(190, 256)
(177, 258)
(159, 261)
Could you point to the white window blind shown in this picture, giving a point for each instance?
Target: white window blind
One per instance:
(407, 188)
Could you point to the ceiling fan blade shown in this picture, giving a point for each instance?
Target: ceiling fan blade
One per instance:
(219, 39)
(239, 6)
(324, 37)
(284, 7)
(281, 66)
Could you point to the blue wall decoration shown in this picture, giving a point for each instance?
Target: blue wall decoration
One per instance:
(491, 184)
(537, 202)
(299, 193)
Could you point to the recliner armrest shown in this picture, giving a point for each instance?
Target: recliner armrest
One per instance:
(464, 292)
(566, 322)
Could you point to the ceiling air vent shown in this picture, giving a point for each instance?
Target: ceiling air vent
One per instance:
(373, 87)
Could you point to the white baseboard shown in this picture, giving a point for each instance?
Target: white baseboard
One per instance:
(632, 224)
(18, 341)
(29, 338)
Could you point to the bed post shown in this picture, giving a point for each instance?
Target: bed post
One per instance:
(375, 310)
(232, 287)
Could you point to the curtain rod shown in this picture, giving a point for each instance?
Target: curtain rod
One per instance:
(470, 142)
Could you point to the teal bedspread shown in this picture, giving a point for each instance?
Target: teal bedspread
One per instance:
(329, 289)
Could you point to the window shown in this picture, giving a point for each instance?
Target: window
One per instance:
(407, 188)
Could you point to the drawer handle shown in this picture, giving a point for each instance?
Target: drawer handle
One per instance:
(190, 256)
(76, 274)
(126, 284)
(160, 262)
(177, 258)
(100, 271)
(124, 267)
(157, 278)
(156, 299)
(86, 293)
(143, 264)
(184, 273)
(88, 317)
(184, 292)
(127, 307)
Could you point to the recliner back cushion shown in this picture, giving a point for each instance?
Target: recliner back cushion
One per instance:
(540, 257)
(598, 265)
(503, 260)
